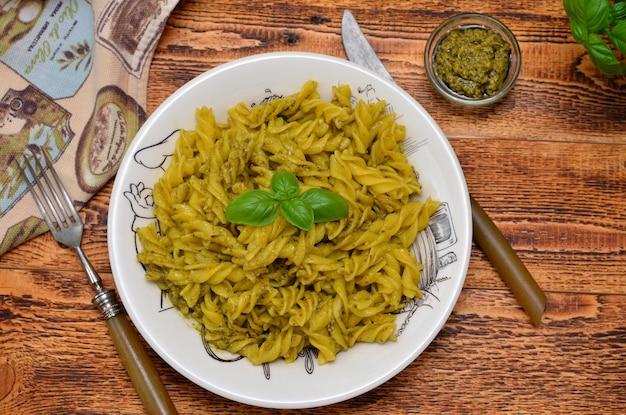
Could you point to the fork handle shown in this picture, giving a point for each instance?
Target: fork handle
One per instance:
(138, 364)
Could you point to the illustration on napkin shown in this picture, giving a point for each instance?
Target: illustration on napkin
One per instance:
(131, 29)
(28, 117)
(40, 38)
(97, 77)
(115, 120)
(17, 18)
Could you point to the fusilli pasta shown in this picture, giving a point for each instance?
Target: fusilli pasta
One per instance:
(267, 292)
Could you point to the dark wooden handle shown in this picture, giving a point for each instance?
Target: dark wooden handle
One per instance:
(140, 368)
(507, 263)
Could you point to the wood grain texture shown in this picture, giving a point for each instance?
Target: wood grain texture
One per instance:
(548, 164)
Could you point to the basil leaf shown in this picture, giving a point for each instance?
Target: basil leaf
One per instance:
(618, 12)
(593, 15)
(284, 185)
(260, 207)
(298, 213)
(603, 56)
(579, 32)
(255, 207)
(327, 206)
(570, 8)
(617, 36)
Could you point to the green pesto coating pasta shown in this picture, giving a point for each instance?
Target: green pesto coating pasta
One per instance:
(267, 292)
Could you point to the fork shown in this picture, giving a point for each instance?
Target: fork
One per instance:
(66, 227)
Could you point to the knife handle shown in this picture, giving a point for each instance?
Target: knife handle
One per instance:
(508, 264)
(136, 360)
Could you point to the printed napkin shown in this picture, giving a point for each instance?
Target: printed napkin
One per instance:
(73, 80)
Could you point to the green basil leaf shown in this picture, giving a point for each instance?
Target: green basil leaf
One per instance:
(255, 207)
(603, 56)
(298, 213)
(617, 36)
(284, 185)
(327, 206)
(592, 16)
(578, 32)
(570, 8)
(618, 12)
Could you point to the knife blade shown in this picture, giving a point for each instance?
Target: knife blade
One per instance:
(358, 49)
(486, 234)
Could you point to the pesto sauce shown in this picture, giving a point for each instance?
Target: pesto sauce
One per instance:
(473, 61)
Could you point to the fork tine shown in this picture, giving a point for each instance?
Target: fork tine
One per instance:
(69, 204)
(35, 195)
(49, 202)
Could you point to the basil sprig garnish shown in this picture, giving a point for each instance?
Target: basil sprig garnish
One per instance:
(260, 207)
(600, 26)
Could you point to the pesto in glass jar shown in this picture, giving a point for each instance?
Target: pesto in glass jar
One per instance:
(473, 61)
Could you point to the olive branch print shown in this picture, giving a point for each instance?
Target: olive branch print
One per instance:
(75, 56)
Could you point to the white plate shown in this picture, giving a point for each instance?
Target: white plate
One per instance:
(444, 248)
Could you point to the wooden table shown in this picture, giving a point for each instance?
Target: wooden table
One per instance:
(548, 164)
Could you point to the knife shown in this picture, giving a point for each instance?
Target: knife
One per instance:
(486, 234)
